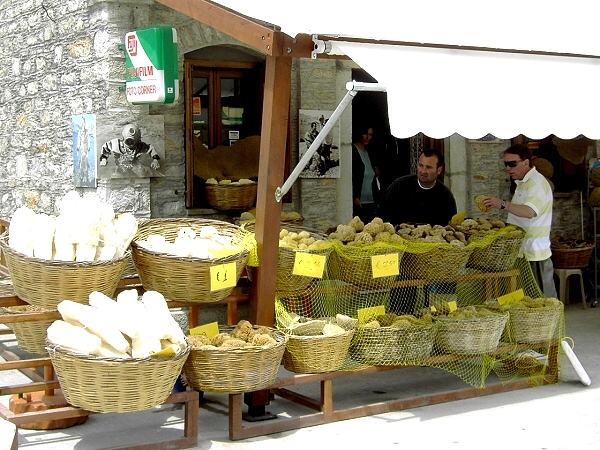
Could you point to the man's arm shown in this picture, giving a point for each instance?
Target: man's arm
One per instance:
(513, 208)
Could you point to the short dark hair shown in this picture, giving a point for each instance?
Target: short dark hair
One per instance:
(359, 130)
(429, 152)
(521, 150)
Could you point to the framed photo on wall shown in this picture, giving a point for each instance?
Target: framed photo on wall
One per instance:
(325, 163)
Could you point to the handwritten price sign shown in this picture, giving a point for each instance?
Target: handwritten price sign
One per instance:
(223, 276)
(309, 265)
(385, 265)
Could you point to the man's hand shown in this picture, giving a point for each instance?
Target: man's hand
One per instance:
(103, 161)
(155, 164)
(492, 202)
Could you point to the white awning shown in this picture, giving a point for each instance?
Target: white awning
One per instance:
(441, 91)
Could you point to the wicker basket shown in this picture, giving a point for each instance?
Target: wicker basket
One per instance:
(185, 279)
(31, 335)
(352, 264)
(534, 325)
(443, 263)
(235, 370)
(46, 283)
(571, 258)
(470, 336)
(499, 256)
(393, 346)
(227, 197)
(316, 354)
(115, 385)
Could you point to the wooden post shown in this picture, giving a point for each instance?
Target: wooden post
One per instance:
(276, 108)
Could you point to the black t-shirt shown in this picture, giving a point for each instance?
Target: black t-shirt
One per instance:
(406, 201)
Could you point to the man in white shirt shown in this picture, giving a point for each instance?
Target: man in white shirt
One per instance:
(530, 209)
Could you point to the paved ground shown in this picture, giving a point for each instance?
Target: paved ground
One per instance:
(561, 416)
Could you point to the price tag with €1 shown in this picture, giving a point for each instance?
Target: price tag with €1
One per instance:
(209, 330)
(223, 276)
(385, 265)
(309, 265)
(452, 306)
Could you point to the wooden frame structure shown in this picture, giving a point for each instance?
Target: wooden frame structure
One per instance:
(279, 49)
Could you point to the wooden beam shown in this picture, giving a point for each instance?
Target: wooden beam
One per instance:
(276, 112)
(245, 30)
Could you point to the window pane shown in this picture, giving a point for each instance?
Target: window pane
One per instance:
(232, 110)
(200, 110)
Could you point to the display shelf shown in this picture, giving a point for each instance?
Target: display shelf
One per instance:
(325, 411)
(48, 384)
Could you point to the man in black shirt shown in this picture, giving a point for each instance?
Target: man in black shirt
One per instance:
(420, 198)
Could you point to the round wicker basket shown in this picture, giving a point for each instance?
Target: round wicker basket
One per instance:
(185, 279)
(393, 346)
(572, 258)
(228, 197)
(115, 385)
(534, 325)
(353, 264)
(46, 283)
(470, 336)
(499, 256)
(31, 335)
(316, 354)
(439, 263)
(234, 371)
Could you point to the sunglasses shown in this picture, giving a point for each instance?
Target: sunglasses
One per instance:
(511, 164)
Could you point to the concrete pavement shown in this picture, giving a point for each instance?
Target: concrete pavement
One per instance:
(561, 416)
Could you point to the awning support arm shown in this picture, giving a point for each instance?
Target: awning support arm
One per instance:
(353, 88)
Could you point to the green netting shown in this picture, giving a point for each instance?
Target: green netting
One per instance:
(411, 320)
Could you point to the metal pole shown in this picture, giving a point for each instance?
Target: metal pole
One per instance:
(353, 87)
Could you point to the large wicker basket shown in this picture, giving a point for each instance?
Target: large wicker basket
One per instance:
(115, 385)
(31, 334)
(393, 346)
(183, 278)
(316, 354)
(571, 258)
(499, 256)
(228, 197)
(352, 264)
(438, 263)
(46, 283)
(234, 371)
(534, 325)
(470, 336)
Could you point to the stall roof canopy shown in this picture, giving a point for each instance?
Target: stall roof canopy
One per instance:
(505, 67)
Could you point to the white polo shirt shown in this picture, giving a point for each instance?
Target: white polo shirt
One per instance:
(534, 191)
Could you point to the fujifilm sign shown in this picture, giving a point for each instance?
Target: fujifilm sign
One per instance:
(151, 74)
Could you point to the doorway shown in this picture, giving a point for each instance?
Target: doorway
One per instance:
(223, 111)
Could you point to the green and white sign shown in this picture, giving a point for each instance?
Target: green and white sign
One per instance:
(151, 74)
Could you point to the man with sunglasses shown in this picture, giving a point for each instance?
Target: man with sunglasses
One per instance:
(530, 209)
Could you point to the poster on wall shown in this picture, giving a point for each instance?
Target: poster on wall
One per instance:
(84, 150)
(325, 163)
(131, 149)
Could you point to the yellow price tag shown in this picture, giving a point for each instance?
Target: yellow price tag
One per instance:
(223, 276)
(209, 330)
(367, 314)
(452, 306)
(433, 308)
(514, 296)
(385, 265)
(309, 265)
